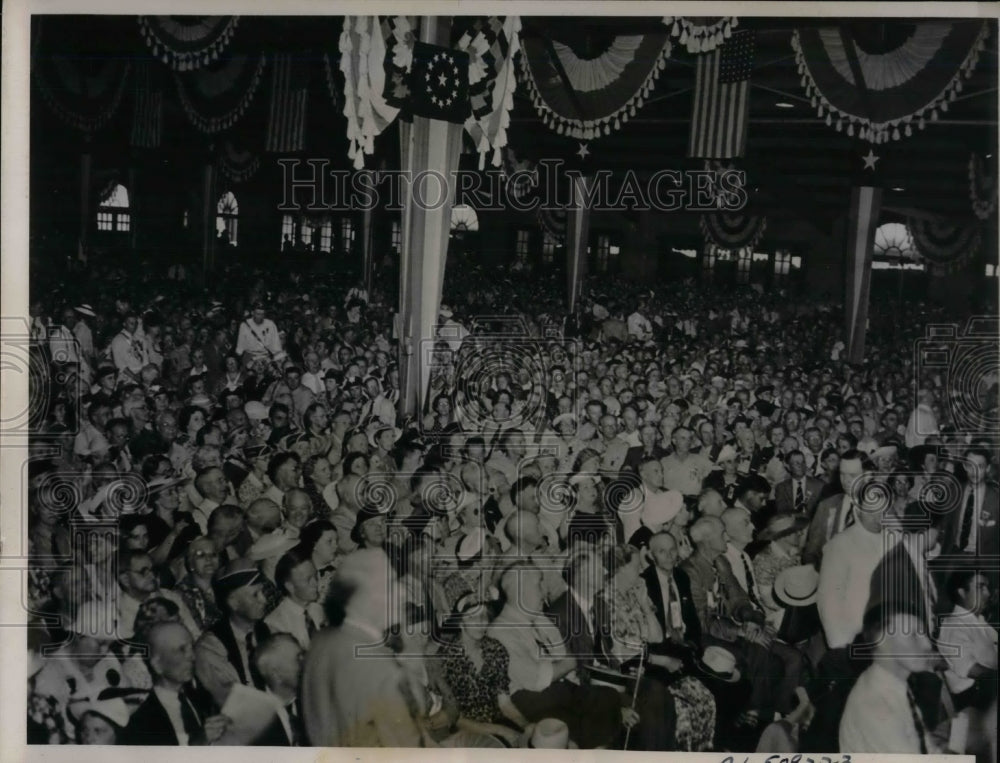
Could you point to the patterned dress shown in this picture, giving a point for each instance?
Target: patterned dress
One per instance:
(694, 704)
(476, 689)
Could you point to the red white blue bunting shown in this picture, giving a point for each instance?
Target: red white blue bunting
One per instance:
(910, 84)
(701, 34)
(185, 43)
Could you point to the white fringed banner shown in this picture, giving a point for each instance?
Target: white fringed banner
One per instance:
(608, 107)
(906, 87)
(701, 34)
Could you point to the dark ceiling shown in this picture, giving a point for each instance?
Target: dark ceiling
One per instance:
(800, 167)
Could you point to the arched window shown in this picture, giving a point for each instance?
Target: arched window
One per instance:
(463, 218)
(113, 214)
(227, 213)
(894, 249)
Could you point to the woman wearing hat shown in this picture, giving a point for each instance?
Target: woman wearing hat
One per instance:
(99, 721)
(627, 622)
(784, 536)
(475, 668)
(726, 479)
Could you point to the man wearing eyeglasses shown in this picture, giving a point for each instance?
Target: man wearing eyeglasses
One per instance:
(137, 582)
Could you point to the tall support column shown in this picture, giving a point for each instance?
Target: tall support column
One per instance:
(366, 260)
(85, 221)
(866, 202)
(577, 236)
(207, 220)
(430, 151)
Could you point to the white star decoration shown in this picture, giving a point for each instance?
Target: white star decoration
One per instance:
(442, 79)
(584, 151)
(870, 160)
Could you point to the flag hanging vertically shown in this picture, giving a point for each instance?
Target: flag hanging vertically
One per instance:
(286, 124)
(866, 203)
(147, 113)
(722, 99)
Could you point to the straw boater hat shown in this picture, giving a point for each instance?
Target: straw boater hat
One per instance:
(797, 586)
(719, 663)
(781, 525)
(85, 309)
(660, 508)
(113, 710)
(549, 734)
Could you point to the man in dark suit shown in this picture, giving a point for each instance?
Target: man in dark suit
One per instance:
(836, 513)
(173, 713)
(972, 527)
(572, 613)
(278, 660)
(224, 653)
(648, 449)
(669, 589)
(799, 494)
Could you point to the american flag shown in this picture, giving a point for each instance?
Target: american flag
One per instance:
(147, 114)
(286, 125)
(721, 99)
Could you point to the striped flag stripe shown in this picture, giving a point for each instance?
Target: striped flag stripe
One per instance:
(720, 111)
(147, 114)
(866, 203)
(287, 114)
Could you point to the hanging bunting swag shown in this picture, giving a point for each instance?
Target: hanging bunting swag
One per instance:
(943, 247)
(911, 84)
(492, 44)
(237, 164)
(83, 91)
(185, 43)
(368, 47)
(609, 88)
(732, 231)
(216, 96)
(982, 187)
(701, 34)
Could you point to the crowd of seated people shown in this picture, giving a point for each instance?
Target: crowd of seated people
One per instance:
(675, 519)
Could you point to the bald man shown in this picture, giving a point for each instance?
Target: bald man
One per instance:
(296, 509)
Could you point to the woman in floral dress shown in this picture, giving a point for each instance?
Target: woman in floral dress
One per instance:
(627, 623)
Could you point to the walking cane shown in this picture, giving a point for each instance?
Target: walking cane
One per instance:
(635, 690)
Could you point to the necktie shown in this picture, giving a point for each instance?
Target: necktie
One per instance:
(917, 720)
(293, 720)
(800, 499)
(255, 678)
(967, 516)
(189, 717)
(310, 625)
(849, 519)
(748, 571)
